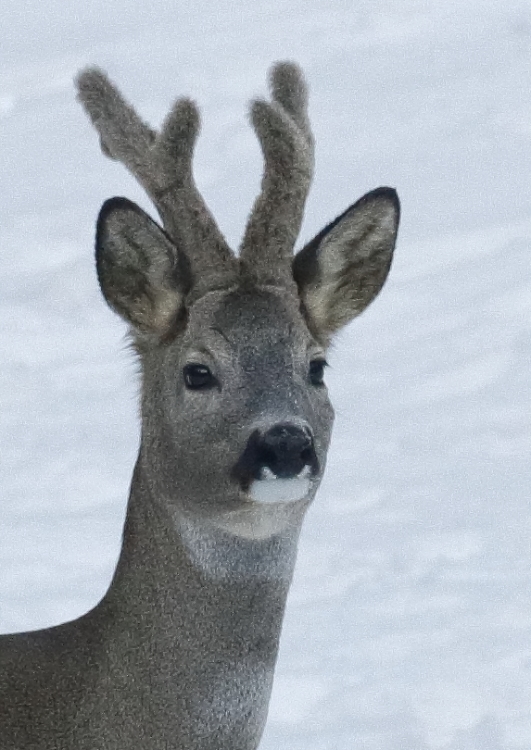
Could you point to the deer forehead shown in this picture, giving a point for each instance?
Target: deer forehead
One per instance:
(250, 323)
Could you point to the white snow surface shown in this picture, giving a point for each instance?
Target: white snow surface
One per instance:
(409, 621)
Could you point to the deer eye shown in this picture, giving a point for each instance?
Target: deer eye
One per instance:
(197, 377)
(317, 368)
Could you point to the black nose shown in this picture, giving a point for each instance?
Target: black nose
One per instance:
(285, 450)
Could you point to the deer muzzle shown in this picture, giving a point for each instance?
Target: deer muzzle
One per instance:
(278, 464)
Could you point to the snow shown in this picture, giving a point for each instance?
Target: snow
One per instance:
(409, 620)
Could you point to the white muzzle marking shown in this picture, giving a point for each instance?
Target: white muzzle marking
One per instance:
(272, 489)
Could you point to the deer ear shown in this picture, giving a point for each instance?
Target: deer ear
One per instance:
(142, 275)
(344, 267)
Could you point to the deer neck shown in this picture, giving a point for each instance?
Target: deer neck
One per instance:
(195, 613)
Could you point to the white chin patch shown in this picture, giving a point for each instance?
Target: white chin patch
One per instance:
(273, 489)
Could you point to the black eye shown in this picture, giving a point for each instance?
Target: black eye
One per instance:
(197, 377)
(317, 368)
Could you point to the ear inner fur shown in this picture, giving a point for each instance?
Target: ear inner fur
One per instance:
(143, 276)
(343, 268)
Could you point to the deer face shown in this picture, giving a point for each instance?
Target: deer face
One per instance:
(245, 417)
(235, 416)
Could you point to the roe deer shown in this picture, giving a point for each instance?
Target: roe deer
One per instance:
(180, 653)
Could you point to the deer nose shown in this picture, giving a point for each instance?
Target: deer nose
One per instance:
(285, 449)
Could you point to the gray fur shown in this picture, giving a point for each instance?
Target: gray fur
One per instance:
(180, 653)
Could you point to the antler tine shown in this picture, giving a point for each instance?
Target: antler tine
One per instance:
(180, 202)
(162, 163)
(284, 133)
(124, 136)
(289, 88)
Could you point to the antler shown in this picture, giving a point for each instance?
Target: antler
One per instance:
(284, 133)
(162, 163)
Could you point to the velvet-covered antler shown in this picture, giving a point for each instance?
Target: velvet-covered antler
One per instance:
(162, 163)
(284, 133)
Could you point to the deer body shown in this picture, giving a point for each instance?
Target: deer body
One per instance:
(236, 421)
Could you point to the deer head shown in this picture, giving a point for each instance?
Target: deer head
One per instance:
(236, 418)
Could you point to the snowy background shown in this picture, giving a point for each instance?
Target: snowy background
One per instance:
(409, 622)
